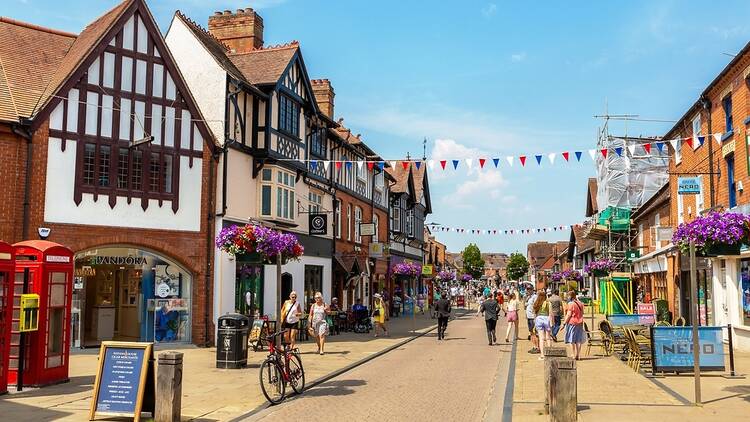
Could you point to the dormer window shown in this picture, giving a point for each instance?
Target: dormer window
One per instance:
(288, 115)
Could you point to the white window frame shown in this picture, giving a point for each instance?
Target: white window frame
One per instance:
(696, 130)
(376, 224)
(410, 222)
(338, 219)
(678, 152)
(282, 198)
(348, 221)
(680, 210)
(357, 222)
(640, 235)
(396, 216)
(657, 224)
(699, 202)
(315, 202)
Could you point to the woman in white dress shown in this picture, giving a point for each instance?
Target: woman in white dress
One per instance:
(317, 318)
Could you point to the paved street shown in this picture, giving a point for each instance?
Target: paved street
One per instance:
(461, 378)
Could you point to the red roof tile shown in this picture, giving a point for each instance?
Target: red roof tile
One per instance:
(265, 65)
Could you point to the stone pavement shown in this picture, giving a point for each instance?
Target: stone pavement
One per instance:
(609, 390)
(208, 393)
(458, 379)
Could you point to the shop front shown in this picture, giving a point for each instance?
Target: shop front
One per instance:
(732, 297)
(127, 293)
(705, 290)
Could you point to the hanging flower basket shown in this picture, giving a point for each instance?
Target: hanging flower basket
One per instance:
(446, 276)
(466, 278)
(407, 268)
(567, 275)
(714, 234)
(258, 242)
(599, 267)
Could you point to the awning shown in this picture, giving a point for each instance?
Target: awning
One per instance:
(345, 262)
(653, 262)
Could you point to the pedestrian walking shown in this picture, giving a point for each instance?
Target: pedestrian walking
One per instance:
(317, 318)
(574, 332)
(541, 322)
(443, 310)
(530, 315)
(491, 310)
(555, 312)
(511, 315)
(290, 313)
(379, 315)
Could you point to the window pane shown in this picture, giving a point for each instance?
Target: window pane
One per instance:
(278, 202)
(122, 169)
(266, 200)
(167, 174)
(104, 159)
(135, 176)
(89, 158)
(267, 174)
(291, 204)
(55, 333)
(154, 172)
(285, 212)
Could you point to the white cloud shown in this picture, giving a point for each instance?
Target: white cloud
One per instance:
(518, 57)
(489, 10)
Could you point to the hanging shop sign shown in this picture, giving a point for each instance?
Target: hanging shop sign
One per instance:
(427, 269)
(688, 185)
(125, 380)
(367, 229)
(632, 254)
(376, 250)
(664, 234)
(318, 224)
(673, 349)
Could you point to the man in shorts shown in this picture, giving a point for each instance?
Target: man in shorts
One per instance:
(530, 314)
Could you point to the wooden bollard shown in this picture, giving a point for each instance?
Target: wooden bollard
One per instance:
(550, 354)
(563, 390)
(169, 387)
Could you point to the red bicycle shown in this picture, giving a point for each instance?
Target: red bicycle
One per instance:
(280, 368)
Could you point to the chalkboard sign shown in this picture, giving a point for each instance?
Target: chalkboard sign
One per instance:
(125, 380)
(256, 330)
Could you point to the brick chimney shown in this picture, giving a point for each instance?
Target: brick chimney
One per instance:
(324, 96)
(241, 31)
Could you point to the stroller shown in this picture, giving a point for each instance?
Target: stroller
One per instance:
(362, 323)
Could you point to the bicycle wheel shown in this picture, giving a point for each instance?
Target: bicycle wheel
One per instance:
(296, 374)
(272, 381)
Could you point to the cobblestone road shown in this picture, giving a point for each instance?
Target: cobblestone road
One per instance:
(458, 379)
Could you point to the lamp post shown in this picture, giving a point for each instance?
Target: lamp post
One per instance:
(694, 322)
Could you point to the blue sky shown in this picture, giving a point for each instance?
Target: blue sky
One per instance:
(480, 78)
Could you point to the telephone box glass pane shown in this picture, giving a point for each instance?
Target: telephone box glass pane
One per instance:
(57, 295)
(57, 278)
(55, 333)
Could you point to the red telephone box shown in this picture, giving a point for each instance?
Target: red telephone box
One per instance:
(51, 277)
(6, 311)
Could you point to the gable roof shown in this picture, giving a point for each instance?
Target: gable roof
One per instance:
(591, 205)
(265, 66)
(22, 82)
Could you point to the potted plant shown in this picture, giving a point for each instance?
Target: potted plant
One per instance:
(714, 234)
(407, 268)
(446, 276)
(466, 278)
(263, 242)
(600, 267)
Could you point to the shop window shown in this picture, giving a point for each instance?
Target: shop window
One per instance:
(249, 288)
(745, 292)
(731, 184)
(726, 104)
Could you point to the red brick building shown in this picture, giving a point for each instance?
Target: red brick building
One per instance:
(102, 143)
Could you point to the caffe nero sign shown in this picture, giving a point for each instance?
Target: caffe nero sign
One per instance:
(318, 224)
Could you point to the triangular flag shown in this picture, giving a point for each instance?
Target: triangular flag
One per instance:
(660, 146)
(442, 163)
(468, 162)
(647, 148)
(431, 164)
(510, 161)
(359, 165)
(405, 164)
(631, 150)
(338, 165)
(717, 136)
(496, 161)
(701, 140)
(523, 160)
(381, 164)
(393, 164)
(326, 164)
(418, 164)
(604, 152)
(455, 164)
(578, 155)
(592, 153)
(538, 159)
(689, 141)
(618, 150)
(673, 143)
(370, 165)
(551, 157)
(314, 165)
(348, 165)
(566, 155)
(481, 162)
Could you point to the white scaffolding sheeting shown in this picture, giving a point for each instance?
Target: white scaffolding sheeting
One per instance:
(629, 179)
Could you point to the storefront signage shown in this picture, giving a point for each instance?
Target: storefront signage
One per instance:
(256, 330)
(631, 319)
(688, 185)
(85, 271)
(367, 229)
(664, 234)
(427, 269)
(646, 309)
(318, 224)
(166, 284)
(673, 348)
(376, 250)
(118, 260)
(57, 258)
(125, 380)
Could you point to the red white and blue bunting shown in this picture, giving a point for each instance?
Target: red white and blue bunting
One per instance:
(504, 232)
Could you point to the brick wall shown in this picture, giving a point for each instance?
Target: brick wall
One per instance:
(187, 248)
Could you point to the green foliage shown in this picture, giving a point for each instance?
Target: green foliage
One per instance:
(518, 266)
(473, 262)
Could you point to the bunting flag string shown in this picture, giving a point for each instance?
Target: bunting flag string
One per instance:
(646, 148)
(506, 231)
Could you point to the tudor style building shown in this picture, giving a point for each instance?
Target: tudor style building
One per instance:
(104, 145)
(260, 102)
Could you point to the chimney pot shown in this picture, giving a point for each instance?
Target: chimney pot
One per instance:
(241, 31)
(240, 11)
(217, 13)
(227, 12)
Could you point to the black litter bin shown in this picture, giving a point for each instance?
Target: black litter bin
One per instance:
(231, 344)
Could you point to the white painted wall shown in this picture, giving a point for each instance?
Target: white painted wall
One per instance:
(59, 206)
(297, 270)
(203, 75)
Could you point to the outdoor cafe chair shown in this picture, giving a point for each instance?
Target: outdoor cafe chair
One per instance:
(595, 338)
(616, 336)
(679, 322)
(638, 353)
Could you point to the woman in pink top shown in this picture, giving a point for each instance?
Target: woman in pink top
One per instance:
(573, 323)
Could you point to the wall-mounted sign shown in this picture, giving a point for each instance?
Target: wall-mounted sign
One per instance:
(117, 260)
(318, 224)
(688, 185)
(125, 381)
(85, 271)
(57, 258)
(376, 250)
(427, 269)
(367, 229)
(632, 254)
(664, 234)
(167, 282)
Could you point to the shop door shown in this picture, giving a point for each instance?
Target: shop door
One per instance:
(286, 286)
(127, 308)
(685, 296)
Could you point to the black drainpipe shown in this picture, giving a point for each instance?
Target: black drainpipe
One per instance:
(209, 247)
(23, 129)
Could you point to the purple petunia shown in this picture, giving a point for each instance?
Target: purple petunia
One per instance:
(715, 228)
(407, 268)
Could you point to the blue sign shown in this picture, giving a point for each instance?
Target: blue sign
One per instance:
(673, 348)
(631, 319)
(120, 380)
(688, 185)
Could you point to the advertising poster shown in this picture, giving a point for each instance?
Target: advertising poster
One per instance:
(673, 348)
